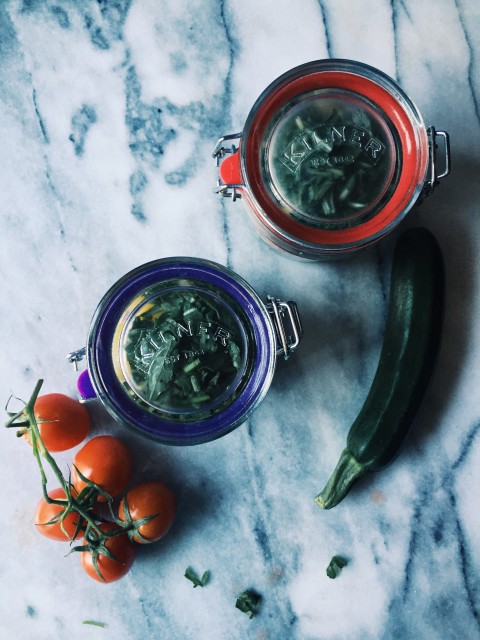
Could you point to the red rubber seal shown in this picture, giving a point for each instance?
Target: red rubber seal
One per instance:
(413, 159)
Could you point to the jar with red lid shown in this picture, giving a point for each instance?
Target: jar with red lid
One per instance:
(331, 158)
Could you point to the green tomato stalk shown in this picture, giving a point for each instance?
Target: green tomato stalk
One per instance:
(82, 503)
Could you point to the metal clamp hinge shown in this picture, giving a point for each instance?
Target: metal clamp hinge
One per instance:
(76, 356)
(219, 152)
(229, 190)
(434, 176)
(288, 336)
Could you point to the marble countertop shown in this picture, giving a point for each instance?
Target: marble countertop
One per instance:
(109, 112)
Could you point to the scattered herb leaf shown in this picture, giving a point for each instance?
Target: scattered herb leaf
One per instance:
(95, 623)
(248, 602)
(336, 565)
(330, 163)
(191, 575)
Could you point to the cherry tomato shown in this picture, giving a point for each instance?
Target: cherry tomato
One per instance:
(120, 546)
(106, 461)
(62, 421)
(148, 499)
(45, 512)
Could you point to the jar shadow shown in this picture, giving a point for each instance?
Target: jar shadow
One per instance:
(451, 212)
(448, 213)
(153, 461)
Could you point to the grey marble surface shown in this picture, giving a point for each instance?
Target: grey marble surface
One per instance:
(109, 112)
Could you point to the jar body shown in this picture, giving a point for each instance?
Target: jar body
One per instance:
(332, 157)
(182, 350)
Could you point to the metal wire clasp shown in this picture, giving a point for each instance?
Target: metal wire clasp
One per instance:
(219, 152)
(434, 176)
(288, 337)
(74, 357)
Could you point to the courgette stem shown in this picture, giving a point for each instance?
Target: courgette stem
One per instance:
(347, 471)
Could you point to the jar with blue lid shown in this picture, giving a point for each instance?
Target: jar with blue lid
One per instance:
(183, 350)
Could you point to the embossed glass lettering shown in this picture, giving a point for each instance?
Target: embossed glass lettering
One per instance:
(323, 138)
(182, 350)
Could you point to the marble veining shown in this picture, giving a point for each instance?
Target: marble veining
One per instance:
(109, 112)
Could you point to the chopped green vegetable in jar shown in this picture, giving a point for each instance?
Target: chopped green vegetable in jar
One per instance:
(330, 158)
(183, 351)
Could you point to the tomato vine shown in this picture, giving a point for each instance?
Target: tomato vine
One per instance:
(107, 547)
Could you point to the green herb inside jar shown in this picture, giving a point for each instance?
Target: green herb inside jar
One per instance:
(330, 159)
(183, 350)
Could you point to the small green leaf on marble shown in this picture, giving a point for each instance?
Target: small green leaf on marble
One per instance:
(336, 565)
(95, 623)
(248, 602)
(191, 575)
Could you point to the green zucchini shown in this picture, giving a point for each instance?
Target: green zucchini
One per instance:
(411, 342)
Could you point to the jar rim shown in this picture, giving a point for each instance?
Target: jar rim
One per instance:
(378, 88)
(329, 158)
(177, 342)
(101, 366)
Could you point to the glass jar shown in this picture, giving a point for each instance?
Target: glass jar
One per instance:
(183, 349)
(332, 156)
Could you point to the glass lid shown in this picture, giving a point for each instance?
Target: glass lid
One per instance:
(329, 158)
(180, 348)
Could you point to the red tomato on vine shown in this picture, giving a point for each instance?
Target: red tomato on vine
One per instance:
(104, 460)
(63, 422)
(145, 500)
(45, 512)
(120, 546)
